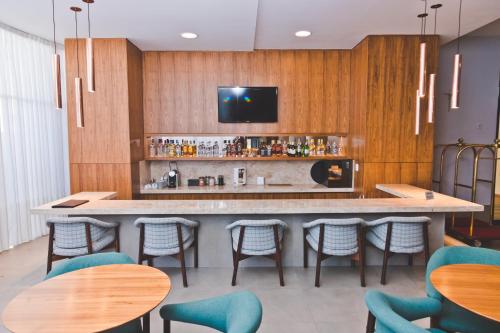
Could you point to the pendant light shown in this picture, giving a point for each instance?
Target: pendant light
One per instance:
(431, 99)
(89, 46)
(78, 79)
(417, 114)
(457, 68)
(423, 52)
(56, 66)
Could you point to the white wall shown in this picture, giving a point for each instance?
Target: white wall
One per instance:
(476, 120)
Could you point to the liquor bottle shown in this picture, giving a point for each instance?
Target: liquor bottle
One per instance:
(159, 147)
(279, 148)
(341, 147)
(262, 149)
(269, 149)
(201, 149)
(305, 149)
(312, 148)
(178, 149)
(171, 149)
(299, 150)
(185, 149)
(249, 147)
(209, 149)
(320, 150)
(216, 149)
(284, 148)
(273, 147)
(152, 148)
(233, 149)
(328, 150)
(190, 148)
(335, 148)
(293, 149)
(239, 148)
(194, 148)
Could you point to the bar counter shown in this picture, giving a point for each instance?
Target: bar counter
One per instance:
(214, 240)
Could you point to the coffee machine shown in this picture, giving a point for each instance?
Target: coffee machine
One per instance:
(174, 177)
(239, 176)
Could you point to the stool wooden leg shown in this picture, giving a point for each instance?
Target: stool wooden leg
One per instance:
(51, 247)
(141, 245)
(426, 242)
(319, 254)
(145, 323)
(306, 252)
(150, 262)
(236, 256)
(166, 326)
(370, 324)
(117, 239)
(196, 247)
(181, 255)
(386, 252)
(361, 251)
(278, 255)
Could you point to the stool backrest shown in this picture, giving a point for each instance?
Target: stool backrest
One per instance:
(407, 231)
(340, 234)
(161, 233)
(258, 235)
(69, 232)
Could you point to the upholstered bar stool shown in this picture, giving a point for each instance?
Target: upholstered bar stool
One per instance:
(77, 236)
(335, 237)
(257, 238)
(399, 234)
(162, 236)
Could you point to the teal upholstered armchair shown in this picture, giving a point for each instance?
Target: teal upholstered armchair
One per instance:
(238, 312)
(394, 314)
(98, 259)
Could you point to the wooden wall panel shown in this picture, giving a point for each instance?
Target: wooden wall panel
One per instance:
(105, 110)
(384, 80)
(183, 99)
(102, 151)
(102, 177)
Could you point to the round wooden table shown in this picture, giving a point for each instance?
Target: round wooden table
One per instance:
(472, 286)
(88, 300)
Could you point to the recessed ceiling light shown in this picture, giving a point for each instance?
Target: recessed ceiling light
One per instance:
(303, 33)
(189, 35)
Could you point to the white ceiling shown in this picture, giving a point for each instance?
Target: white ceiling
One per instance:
(245, 24)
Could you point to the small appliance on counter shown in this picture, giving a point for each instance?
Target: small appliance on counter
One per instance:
(239, 176)
(174, 177)
(338, 174)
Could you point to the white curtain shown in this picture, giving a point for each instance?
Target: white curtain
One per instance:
(33, 136)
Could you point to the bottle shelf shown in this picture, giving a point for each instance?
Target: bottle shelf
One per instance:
(243, 158)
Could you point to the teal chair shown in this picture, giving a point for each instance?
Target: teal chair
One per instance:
(391, 314)
(449, 317)
(238, 312)
(98, 259)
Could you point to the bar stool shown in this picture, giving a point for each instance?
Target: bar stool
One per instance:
(162, 236)
(334, 237)
(405, 234)
(257, 238)
(71, 237)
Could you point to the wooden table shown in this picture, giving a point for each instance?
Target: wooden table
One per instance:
(88, 300)
(473, 287)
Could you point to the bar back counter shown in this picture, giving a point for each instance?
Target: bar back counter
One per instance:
(214, 215)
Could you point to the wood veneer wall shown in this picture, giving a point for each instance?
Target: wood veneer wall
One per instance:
(384, 80)
(104, 155)
(180, 90)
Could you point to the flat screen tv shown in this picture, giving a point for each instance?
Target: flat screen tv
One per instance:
(248, 104)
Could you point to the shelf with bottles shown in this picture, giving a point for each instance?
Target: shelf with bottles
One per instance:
(237, 148)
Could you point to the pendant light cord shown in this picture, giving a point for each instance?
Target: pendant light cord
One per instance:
(54, 26)
(88, 16)
(435, 20)
(459, 25)
(425, 17)
(76, 37)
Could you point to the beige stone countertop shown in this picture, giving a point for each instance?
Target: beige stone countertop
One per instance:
(412, 202)
(248, 188)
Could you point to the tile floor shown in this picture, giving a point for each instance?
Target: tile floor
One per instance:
(337, 306)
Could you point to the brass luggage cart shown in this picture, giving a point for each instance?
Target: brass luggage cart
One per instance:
(473, 228)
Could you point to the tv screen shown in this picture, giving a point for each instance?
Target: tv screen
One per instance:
(248, 104)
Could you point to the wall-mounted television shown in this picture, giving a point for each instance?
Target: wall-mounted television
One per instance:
(248, 104)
